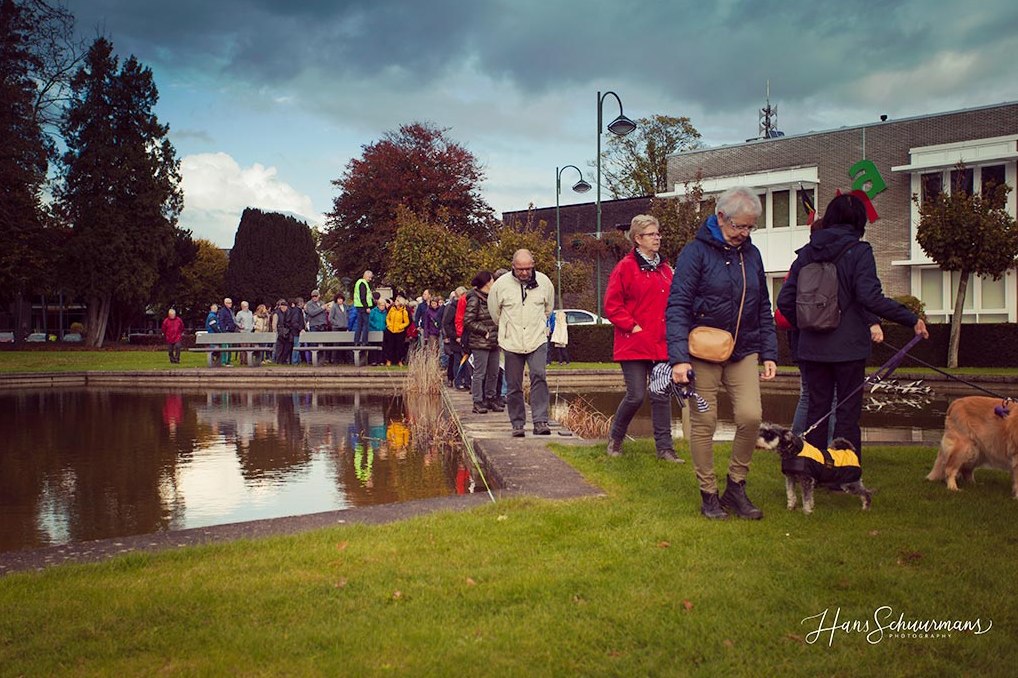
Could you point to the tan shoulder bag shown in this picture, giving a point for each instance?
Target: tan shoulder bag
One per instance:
(713, 344)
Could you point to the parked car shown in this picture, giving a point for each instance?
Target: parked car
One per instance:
(6, 337)
(577, 316)
(72, 337)
(36, 337)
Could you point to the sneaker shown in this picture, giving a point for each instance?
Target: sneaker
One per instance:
(479, 408)
(668, 454)
(519, 433)
(711, 507)
(734, 500)
(614, 448)
(541, 428)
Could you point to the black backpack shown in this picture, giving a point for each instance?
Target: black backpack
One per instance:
(816, 296)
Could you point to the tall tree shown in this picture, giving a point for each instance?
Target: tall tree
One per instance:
(418, 167)
(273, 256)
(120, 191)
(971, 234)
(24, 151)
(637, 164)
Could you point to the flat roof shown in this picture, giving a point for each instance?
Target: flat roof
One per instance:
(843, 129)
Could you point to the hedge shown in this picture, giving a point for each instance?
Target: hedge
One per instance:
(989, 345)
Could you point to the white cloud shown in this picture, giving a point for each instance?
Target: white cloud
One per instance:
(217, 189)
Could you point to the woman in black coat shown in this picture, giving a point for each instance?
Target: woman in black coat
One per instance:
(836, 360)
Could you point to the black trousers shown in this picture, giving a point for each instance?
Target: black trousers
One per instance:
(174, 351)
(283, 352)
(822, 379)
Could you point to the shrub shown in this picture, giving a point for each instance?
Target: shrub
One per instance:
(913, 304)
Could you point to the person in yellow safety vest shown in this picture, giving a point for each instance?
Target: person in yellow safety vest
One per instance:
(362, 303)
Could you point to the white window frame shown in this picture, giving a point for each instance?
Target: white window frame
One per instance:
(977, 313)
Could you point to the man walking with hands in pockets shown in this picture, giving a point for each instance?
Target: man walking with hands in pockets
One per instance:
(520, 304)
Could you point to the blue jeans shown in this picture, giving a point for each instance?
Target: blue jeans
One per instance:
(359, 325)
(799, 422)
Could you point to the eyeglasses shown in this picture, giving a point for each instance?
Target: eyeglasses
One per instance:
(523, 268)
(747, 228)
(650, 235)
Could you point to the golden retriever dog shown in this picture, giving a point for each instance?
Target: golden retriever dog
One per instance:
(975, 436)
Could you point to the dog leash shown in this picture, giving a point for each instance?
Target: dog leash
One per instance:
(883, 372)
(952, 376)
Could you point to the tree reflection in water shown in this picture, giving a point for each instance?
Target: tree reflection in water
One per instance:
(89, 464)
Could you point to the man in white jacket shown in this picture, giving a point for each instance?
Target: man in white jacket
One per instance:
(520, 304)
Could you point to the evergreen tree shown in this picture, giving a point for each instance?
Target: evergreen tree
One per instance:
(25, 243)
(120, 194)
(273, 256)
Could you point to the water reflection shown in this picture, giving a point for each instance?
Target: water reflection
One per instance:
(887, 417)
(89, 464)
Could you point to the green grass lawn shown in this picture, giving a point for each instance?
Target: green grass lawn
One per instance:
(112, 361)
(635, 583)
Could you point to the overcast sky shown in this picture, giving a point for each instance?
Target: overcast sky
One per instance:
(267, 100)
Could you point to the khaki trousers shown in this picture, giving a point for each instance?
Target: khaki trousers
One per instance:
(742, 383)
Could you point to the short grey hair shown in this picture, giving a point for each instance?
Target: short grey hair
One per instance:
(739, 200)
(640, 224)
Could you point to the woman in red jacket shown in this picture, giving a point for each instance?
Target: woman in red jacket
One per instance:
(635, 304)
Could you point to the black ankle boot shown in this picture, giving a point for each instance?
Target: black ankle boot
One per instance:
(711, 507)
(735, 501)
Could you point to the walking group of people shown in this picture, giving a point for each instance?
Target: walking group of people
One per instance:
(710, 320)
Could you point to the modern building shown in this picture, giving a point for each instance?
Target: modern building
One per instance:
(910, 156)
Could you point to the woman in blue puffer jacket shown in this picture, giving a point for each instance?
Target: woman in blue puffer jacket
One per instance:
(711, 273)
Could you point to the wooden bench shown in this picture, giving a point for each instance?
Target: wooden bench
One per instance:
(314, 342)
(252, 343)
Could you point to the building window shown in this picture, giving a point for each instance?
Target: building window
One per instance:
(986, 299)
(962, 180)
(800, 212)
(932, 185)
(779, 209)
(991, 176)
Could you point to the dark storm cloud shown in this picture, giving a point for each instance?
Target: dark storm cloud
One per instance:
(717, 53)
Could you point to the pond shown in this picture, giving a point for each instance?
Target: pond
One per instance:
(78, 465)
(913, 415)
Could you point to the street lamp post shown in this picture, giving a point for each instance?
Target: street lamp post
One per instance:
(620, 126)
(580, 186)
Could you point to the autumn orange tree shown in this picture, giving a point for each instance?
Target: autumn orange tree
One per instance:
(418, 167)
(971, 234)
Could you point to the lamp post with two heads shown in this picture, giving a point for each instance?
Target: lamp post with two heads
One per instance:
(620, 126)
(580, 186)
